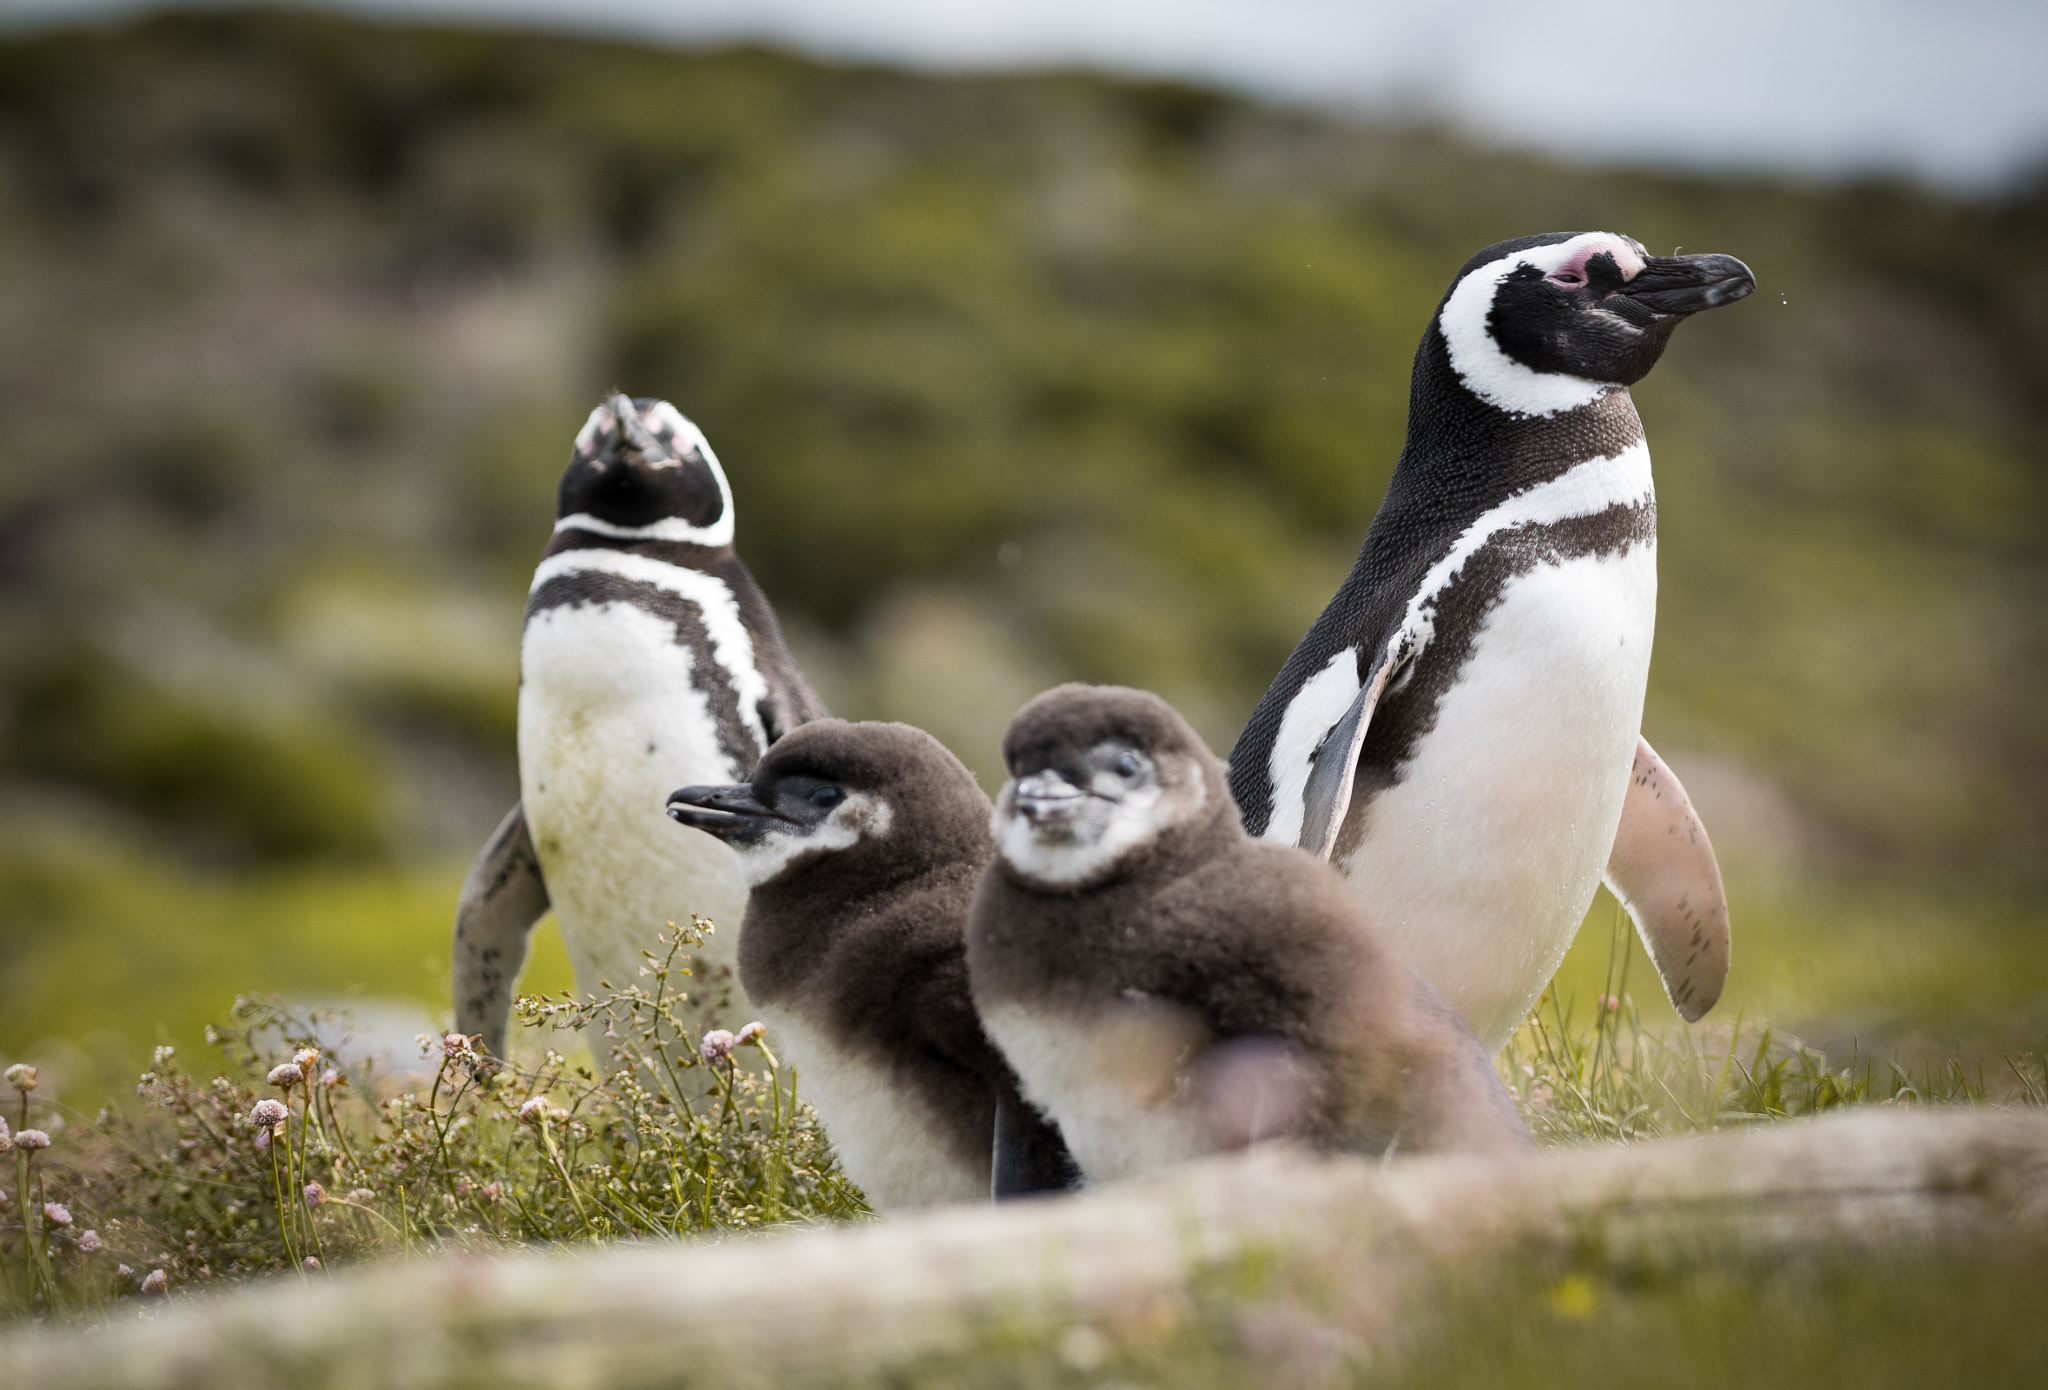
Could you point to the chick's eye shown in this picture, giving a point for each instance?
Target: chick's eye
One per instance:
(824, 798)
(1127, 765)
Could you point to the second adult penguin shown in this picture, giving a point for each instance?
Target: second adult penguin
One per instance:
(1166, 986)
(862, 844)
(650, 659)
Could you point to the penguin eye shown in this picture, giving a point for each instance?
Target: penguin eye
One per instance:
(1570, 279)
(825, 798)
(1127, 765)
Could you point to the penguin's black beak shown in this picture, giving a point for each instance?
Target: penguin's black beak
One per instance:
(1047, 800)
(731, 813)
(1676, 285)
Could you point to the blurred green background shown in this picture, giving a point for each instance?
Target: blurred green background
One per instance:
(1018, 378)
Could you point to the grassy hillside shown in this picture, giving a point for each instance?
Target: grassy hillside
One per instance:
(1017, 378)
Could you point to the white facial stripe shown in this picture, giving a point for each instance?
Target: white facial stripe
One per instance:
(1118, 827)
(1590, 487)
(859, 816)
(1491, 374)
(732, 647)
(661, 418)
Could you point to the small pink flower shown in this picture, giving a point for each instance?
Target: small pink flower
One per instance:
(31, 1139)
(305, 1059)
(56, 1213)
(454, 1045)
(716, 1049)
(313, 1262)
(285, 1075)
(22, 1077)
(1610, 1003)
(262, 1140)
(330, 1077)
(361, 1196)
(750, 1034)
(270, 1112)
(534, 1110)
(123, 1272)
(315, 1194)
(90, 1242)
(493, 1191)
(154, 1281)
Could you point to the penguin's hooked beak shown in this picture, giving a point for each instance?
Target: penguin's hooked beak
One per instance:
(1675, 285)
(728, 812)
(1047, 800)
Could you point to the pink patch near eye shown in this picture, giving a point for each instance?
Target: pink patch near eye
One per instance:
(1573, 272)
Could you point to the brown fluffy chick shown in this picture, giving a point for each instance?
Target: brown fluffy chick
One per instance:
(1165, 986)
(862, 845)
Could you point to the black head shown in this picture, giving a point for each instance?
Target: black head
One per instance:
(1098, 775)
(641, 470)
(1546, 323)
(830, 786)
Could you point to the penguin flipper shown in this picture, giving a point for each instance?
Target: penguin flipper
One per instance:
(502, 898)
(1333, 767)
(1664, 872)
(1030, 1154)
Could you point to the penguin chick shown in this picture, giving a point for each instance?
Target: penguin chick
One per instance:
(650, 658)
(1460, 731)
(1166, 986)
(862, 845)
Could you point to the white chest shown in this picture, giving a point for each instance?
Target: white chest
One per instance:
(610, 723)
(886, 1136)
(1481, 860)
(1113, 1083)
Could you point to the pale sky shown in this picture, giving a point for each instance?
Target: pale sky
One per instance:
(1955, 92)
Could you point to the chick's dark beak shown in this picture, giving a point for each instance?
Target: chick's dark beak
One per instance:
(1046, 799)
(1687, 284)
(729, 812)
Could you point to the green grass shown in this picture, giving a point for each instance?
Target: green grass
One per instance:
(194, 1183)
(106, 954)
(663, 1141)
(1930, 962)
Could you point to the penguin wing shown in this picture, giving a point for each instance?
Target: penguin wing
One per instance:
(1664, 872)
(502, 898)
(1333, 767)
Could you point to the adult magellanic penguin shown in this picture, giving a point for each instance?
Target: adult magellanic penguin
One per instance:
(1167, 987)
(863, 844)
(1457, 730)
(650, 660)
